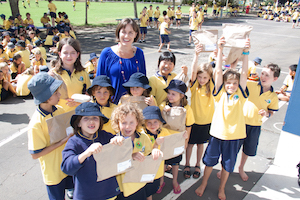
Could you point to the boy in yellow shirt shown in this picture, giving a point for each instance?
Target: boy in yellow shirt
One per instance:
(285, 91)
(25, 54)
(178, 14)
(52, 9)
(143, 26)
(156, 16)
(164, 34)
(194, 23)
(150, 14)
(28, 22)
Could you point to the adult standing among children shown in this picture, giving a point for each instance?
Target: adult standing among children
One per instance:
(120, 61)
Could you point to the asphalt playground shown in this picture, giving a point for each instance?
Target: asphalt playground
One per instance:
(274, 42)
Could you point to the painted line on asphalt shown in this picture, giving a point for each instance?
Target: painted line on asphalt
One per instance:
(13, 136)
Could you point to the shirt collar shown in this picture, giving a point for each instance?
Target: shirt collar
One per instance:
(85, 137)
(261, 88)
(107, 105)
(68, 71)
(159, 75)
(44, 113)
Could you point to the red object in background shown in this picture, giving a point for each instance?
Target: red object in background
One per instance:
(247, 9)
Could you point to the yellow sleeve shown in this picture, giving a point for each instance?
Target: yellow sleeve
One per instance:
(190, 120)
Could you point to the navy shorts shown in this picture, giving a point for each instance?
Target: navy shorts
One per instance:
(191, 32)
(143, 30)
(150, 19)
(227, 148)
(172, 18)
(4, 94)
(151, 188)
(294, 20)
(178, 19)
(57, 192)
(164, 38)
(53, 15)
(140, 194)
(174, 161)
(250, 143)
(199, 134)
(214, 11)
(155, 19)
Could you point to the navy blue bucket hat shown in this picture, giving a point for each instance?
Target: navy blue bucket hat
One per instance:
(92, 56)
(137, 79)
(177, 86)
(42, 86)
(87, 109)
(103, 81)
(257, 60)
(153, 112)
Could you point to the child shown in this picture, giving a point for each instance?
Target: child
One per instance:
(25, 54)
(172, 15)
(178, 16)
(74, 4)
(17, 66)
(156, 133)
(162, 78)
(143, 26)
(44, 89)
(37, 61)
(69, 68)
(78, 153)
(295, 17)
(91, 65)
(200, 15)
(126, 120)
(28, 22)
(6, 39)
(39, 47)
(11, 50)
(160, 20)
(22, 81)
(5, 69)
(169, 14)
(164, 34)
(202, 104)
(52, 9)
(150, 14)
(156, 16)
(176, 98)
(138, 85)
(3, 55)
(285, 91)
(230, 94)
(252, 66)
(6, 89)
(193, 24)
(102, 91)
(45, 21)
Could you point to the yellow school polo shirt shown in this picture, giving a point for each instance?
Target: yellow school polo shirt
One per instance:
(38, 63)
(251, 68)
(162, 133)
(22, 89)
(142, 144)
(4, 57)
(8, 24)
(158, 84)
(191, 10)
(52, 7)
(228, 121)
(161, 20)
(150, 12)
(38, 139)
(194, 23)
(169, 13)
(173, 13)
(11, 52)
(143, 20)
(18, 22)
(201, 103)
(215, 6)
(45, 20)
(289, 82)
(107, 111)
(13, 68)
(28, 21)
(89, 67)
(42, 50)
(258, 100)
(156, 13)
(178, 14)
(48, 40)
(25, 54)
(75, 83)
(200, 15)
(163, 28)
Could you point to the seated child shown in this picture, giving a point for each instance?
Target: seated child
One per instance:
(11, 50)
(37, 61)
(3, 55)
(91, 65)
(5, 88)
(17, 66)
(5, 70)
(78, 153)
(25, 54)
(39, 46)
(285, 91)
(22, 81)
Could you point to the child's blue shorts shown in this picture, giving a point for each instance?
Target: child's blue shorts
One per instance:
(251, 141)
(191, 32)
(165, 38)
(229, 150)
(140, 194)
(143, 30)
(155, 19)
(151, 188)
(150, 19)
(58, 191)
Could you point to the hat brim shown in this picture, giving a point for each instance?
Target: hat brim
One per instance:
(93, 58)
(154, 116)
(90, 89)
(44, 97)
(74, 117)
(130, 84)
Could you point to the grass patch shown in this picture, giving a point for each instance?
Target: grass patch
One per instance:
(99, 14)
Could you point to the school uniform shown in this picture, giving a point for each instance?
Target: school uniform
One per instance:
(150, 14)
(202, 105)
(52, 8)
(156, 15)
(38, 62)
(22, 89)
(42, 50)
(163, 33)
(158, 83)
(45, 21)
(25, 54)
(107, 111)
(289, 82)
(194, 22)
(28, 22)
(11, 52)
(178, 14)
(143, 24)
(89, 67)
(85, 174)
(4, 57)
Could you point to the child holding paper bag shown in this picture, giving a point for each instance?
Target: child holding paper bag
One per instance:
(127, 119)
(177, 100)
(78, 158)
(102, 91)
(156, 133)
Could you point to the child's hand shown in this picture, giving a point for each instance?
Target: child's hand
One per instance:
(72, 103)
(263, 113)
(138, 156)
(167, 108)
(94, 148)
(150, 101)
(221, 42)
(156, 153)
(160, 140)
(198, 49)
(185, 135)
(184, 69)
(117, 140)
(247, 45)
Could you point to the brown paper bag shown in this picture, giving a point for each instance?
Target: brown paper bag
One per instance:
(175, 118)
(173, 145)
(139, 101)
(57, 126)
(236, 34)
(113, 160)
(208, 38)
(143, 172)
(181, 76)
(234, 54)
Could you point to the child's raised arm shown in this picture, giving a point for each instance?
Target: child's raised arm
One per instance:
(244, 72)
(218, 74)
(198, 49)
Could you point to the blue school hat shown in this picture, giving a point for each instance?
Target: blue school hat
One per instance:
(177, 85)
(55, 38)
(38, 42)
(87, 109)
(2, 16)
(137, 79)
(103, 81)
(42, 86)
(257, 60)
(13, 40)
(153, 112)
(92, 56)
(21, 43)
(44, 68)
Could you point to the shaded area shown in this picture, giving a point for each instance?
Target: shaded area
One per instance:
(14, 118)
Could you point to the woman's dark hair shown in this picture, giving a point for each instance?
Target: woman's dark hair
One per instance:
(169, 56)
(123, 24)
(76, 45)
(77, 128)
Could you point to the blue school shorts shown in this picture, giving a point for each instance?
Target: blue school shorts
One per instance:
(155, 19)
(151, 188)
(191, 32)
(140, 194)
(165, 38)
(57, 192)
(143, 30)
(150, 19)
(174, 161)
(227, 148)
(251, 141)
(199, 134)
(53, 15)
